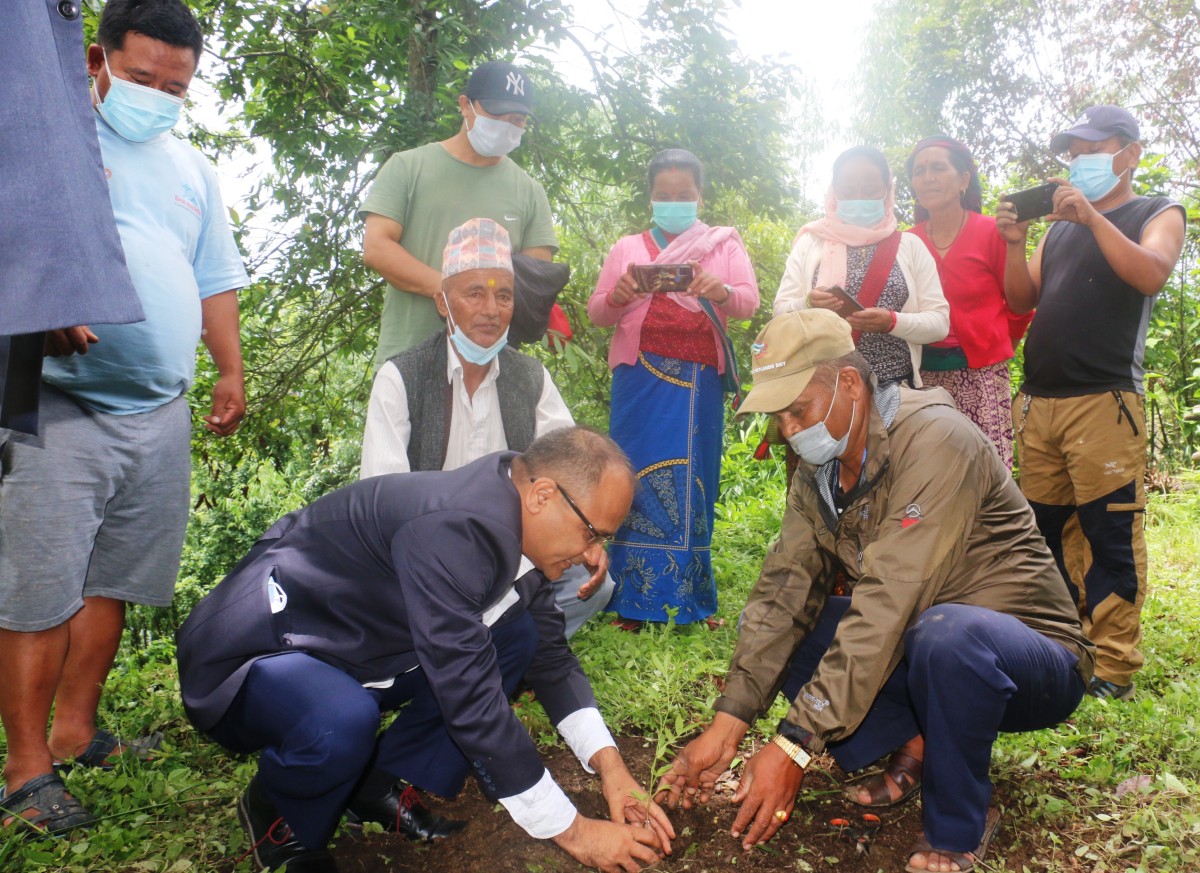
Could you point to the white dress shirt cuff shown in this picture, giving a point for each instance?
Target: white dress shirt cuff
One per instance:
(586, 734)
(544, 811)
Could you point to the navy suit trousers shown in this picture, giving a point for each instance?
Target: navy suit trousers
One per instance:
(967, 674)
(318, 731)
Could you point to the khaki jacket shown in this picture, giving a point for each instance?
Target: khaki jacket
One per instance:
(938, 519)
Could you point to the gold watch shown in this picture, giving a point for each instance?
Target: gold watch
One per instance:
(795, 751)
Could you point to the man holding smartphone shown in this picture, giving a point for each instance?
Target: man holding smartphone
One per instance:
(1078, 417)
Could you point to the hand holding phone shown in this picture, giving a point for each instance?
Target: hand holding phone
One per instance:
(849, 304)
(1032, 203)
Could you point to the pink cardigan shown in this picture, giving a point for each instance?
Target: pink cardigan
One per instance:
(727, 260)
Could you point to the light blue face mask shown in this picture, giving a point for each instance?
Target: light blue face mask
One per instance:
(471, 351)
(860, 213)
(815, 445)
(135, 112)
(1093, 174)
(674, 216)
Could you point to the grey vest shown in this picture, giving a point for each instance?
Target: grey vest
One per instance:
(423, 369)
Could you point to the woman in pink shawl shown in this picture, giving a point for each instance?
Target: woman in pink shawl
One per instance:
(667, 358)
(906, 309)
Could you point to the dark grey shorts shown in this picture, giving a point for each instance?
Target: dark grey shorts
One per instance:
(94, 506)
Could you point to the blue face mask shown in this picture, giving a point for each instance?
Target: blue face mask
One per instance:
(674, 216)
(1093, 174)
(471, 351)
(860, 213)
(815, 445)
(135, 112)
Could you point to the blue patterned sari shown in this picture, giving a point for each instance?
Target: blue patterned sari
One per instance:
(668, 417)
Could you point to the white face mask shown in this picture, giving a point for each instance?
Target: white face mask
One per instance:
(493, 138)
(815, 445)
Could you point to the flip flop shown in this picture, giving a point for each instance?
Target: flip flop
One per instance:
(963, 859)
(105, 746)
(905, 771)
(55, 811)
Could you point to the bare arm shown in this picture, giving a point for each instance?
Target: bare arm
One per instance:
(1146, 265)
(384, 254)
(219, 320)
(1022, 279)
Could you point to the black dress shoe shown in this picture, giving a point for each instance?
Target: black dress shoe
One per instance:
(401, 810)
(272, 842)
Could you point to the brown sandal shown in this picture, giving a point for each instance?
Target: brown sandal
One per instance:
(966, 861)
(903, 769)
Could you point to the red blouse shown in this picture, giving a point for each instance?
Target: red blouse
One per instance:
(972, 275)
(674, 332)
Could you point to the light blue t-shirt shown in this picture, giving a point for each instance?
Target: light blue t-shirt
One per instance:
(180, 249)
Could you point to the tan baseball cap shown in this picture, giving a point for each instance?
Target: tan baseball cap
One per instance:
(788, 351)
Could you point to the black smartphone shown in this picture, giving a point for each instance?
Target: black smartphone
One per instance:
(844, 295)
(1033, 202)
(654, 278)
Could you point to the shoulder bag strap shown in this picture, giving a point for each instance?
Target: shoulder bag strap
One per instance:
(877, 274)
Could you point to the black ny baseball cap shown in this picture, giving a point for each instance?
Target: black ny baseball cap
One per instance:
(501, 88)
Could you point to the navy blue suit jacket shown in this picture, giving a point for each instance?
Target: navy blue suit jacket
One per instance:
(383, 575)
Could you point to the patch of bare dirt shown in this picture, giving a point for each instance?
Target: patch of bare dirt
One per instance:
(492, 842)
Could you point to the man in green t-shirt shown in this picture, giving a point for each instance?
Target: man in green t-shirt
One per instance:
(422, 194)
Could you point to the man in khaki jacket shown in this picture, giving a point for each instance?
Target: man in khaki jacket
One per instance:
(956, 627)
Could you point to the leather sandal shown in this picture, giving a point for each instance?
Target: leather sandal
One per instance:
(105, 747)
(903, 769)
(44, 806)
(965, 860)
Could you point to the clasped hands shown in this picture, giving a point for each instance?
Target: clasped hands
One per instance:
(768, 788)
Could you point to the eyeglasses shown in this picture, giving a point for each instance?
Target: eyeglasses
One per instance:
(597, 537)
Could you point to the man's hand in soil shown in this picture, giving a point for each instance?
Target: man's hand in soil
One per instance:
(695, 770)
(628, 802)
(767, 794)
(609, 847)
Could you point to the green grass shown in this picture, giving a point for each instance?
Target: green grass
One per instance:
(177, 815)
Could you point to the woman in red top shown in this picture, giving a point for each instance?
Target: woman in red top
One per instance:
(972, 361)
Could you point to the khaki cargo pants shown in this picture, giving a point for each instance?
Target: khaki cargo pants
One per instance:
(1082, 463)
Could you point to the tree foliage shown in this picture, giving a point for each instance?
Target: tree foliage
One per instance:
(1005, 76)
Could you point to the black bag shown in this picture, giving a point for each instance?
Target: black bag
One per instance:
(536, 286)
(21, 380)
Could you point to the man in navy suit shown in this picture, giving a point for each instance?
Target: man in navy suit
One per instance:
(428, 589)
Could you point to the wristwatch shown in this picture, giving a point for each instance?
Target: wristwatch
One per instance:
(728, 292)
(793, 750)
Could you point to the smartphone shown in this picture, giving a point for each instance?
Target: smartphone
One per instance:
(1033, 202)
(839, 291)
(654, 278)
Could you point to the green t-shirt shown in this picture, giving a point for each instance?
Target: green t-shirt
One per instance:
(430, 193)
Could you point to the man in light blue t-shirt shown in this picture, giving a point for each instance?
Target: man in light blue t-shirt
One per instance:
(93, 510)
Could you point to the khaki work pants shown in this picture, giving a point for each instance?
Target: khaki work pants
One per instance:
(1082, 463)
